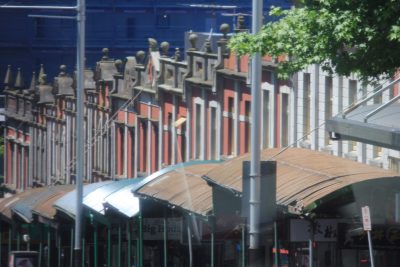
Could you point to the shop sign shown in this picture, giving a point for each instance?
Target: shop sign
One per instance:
(322, 230)
(383, 236)
(153, 228)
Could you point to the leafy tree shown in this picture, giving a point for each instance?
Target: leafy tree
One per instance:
(345, 36)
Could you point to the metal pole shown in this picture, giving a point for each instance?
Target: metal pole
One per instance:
(109, 245)
(71, 261)
(95, 246)
(254, 199)
(165, 242)
(48, 246)
(310, 252)
(243, 246)
(277, 249)
(80, 66)
(212, 247)
(189, 236)
(371, 256)
(119, 245)
(128, 231)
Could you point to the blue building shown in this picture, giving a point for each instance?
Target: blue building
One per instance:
(121, 25)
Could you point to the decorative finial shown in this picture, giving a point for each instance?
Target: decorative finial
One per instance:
(207, 46)
(33, 83)
(177, 54)
(193, 39)
(63, 70)
(43, 79)
(41, 73)
(105, 52)
(224, 28)
(118, 64)
(140, 56)
(8, 78)
(152, 44)
(164, 48)
(19, 81)
(240, 23)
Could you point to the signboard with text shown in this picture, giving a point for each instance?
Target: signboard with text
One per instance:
(153, 228)
(324, 230)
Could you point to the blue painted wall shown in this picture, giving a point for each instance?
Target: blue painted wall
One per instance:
(121, 25)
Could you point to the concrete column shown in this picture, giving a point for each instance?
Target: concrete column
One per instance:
(314, 107)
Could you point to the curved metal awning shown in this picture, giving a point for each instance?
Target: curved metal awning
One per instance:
(67, 203)
(380, 129)
(39, 199)
(181, 186)
(113, 195)
(304, 177)
(123, 201)
(6, 204)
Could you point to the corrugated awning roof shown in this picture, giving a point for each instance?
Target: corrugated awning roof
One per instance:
(37, 199)
(45, 207)
(113, 195)
(303, 176)
(182, 186)
(6, 204)
(67, 203)
(123, 200)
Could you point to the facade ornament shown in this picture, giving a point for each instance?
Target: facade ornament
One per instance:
(152, 44)
(106, 53)
(8, 79)
(140, 55)
(19, 81)
(207, 46)
(164, 48)
(177, 55)
(193, 39)
(224, 29)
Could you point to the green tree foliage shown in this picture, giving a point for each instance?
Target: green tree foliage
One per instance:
(345, 36)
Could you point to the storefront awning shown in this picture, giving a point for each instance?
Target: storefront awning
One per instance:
(115, 193)
(304, 177)
(67, 203)
(6, 204)
(123, 201)
(39, 199)
(181, 186)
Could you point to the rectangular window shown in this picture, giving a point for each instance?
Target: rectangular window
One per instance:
(182, 156)
(352, 101)
(231, 126)
(306, 104)
(285, 121)
(266, 114)
(328, 104)
(198, 131)
(214, 131)
(247, 114)
(170, 129)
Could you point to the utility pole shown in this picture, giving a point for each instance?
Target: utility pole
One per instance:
(255, 253)
(80, 17)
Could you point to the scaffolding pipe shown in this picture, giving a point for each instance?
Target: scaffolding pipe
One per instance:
(254, 200)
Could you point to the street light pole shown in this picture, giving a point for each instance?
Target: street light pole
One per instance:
(254, 200)
(80, 67)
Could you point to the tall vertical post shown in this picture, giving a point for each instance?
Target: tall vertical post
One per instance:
(254, 198)
(80, 66)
